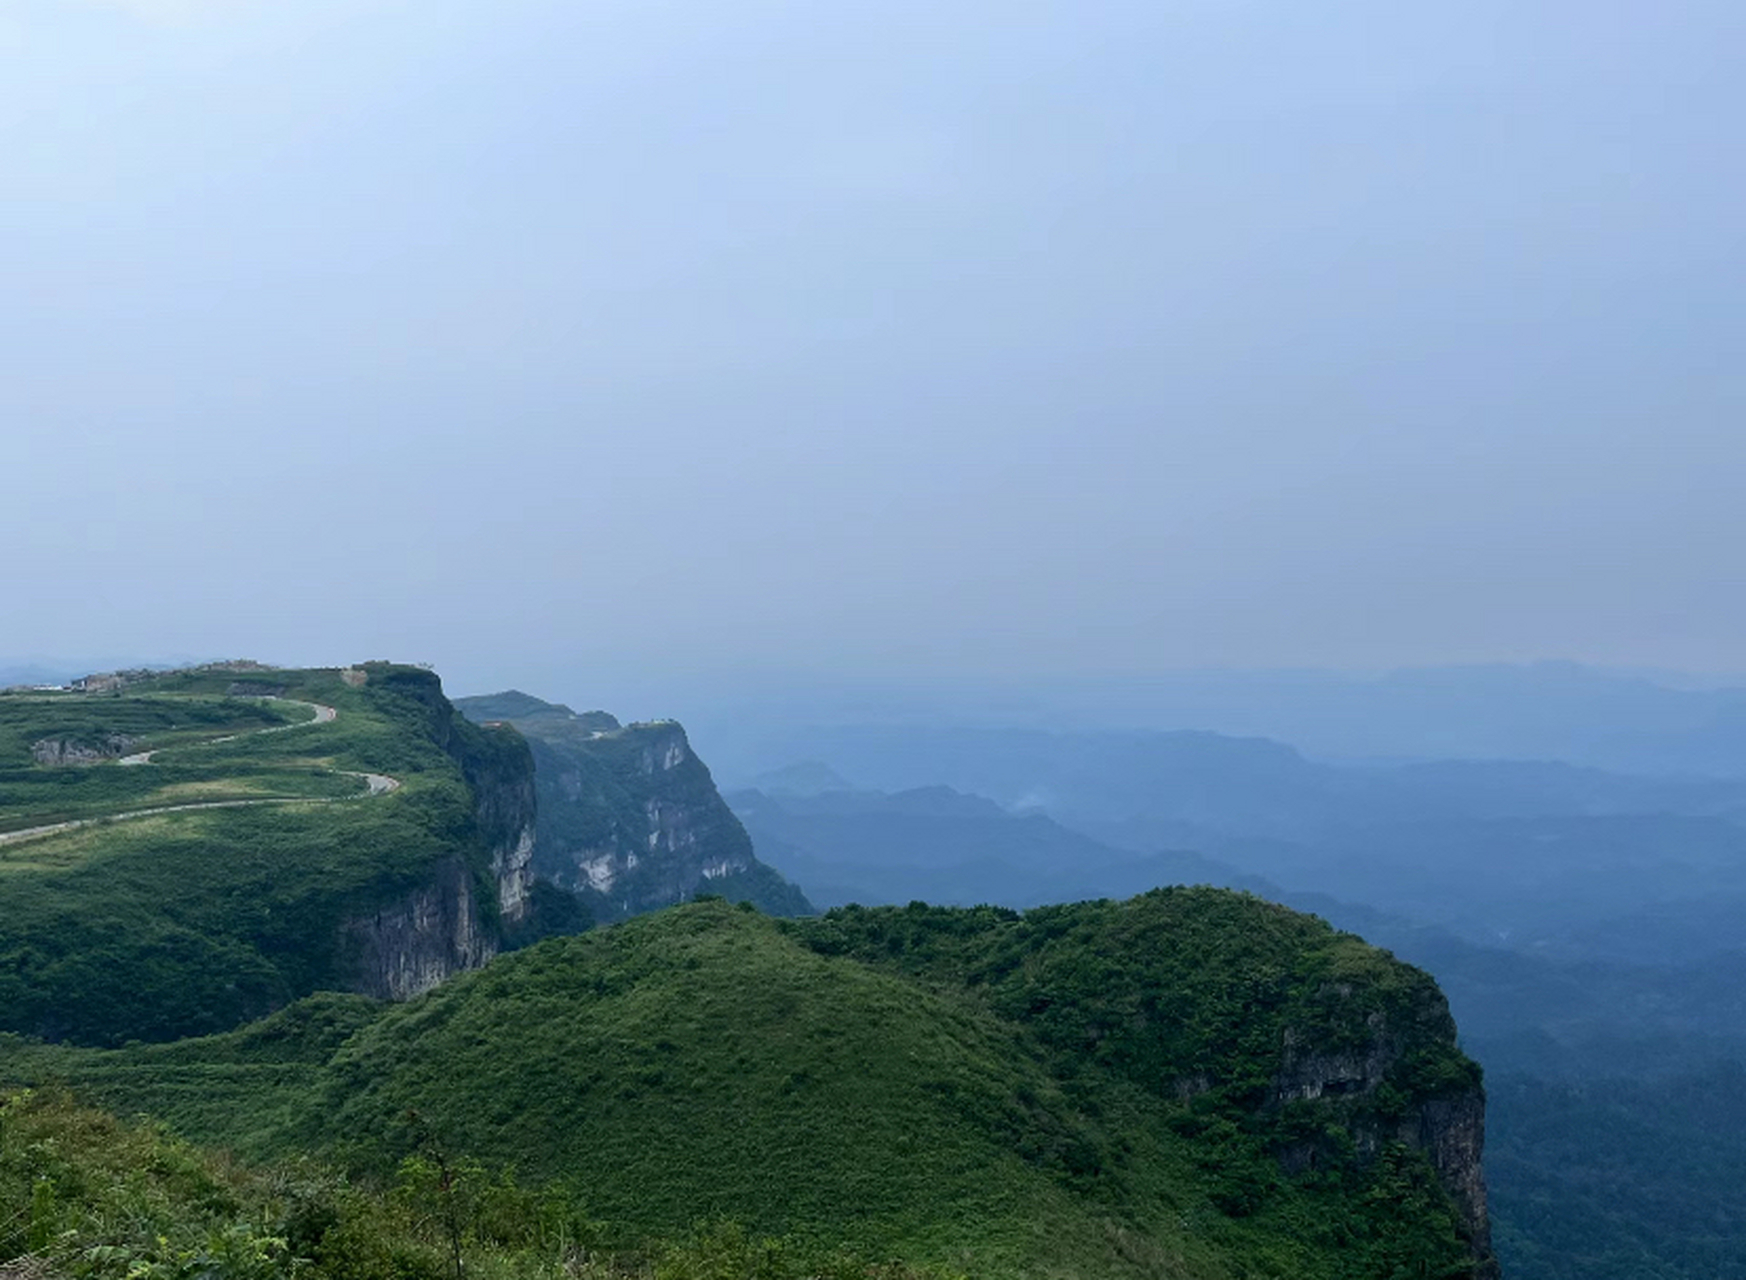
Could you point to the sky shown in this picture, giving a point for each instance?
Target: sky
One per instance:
(585, 345)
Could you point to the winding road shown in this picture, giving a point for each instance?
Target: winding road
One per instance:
(379, 784)
(323, 715)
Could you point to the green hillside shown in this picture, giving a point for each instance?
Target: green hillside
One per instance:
(1191, 1084)
(84, 1195)
(246, 860)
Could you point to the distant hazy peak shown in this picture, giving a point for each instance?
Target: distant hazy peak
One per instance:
(513, 704)
(806, 778)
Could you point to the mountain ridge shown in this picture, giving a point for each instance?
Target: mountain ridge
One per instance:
(1191, 1083)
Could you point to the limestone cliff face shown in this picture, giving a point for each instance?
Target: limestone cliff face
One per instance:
(1370, 1086)
(1452, 1132)
(629, 818)
(422, 938)
(456, 918)
(659, 832)
(65, 751)
(502, 780)
(675, 842)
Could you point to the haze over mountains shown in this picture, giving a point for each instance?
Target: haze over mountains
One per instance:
(321, 917)
(1585, 914)
(1584, 922)
(1616, 720)
(1023, 453)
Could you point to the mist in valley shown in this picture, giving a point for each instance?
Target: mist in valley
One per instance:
(1039, 454)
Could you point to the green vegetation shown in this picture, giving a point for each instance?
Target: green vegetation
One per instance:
(1175, 985)
(194, 922)
(1621, 1179)
(1189, 1084)
(86, 1196)
(1083, 1091)
(36, 794)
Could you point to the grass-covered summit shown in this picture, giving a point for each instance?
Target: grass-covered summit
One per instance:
(189, 850)
(1188, 1084)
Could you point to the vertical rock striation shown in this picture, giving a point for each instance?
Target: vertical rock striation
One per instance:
(499, 769)
(456, 918)
(629, 818)
(1372, 1085)
(422, 938)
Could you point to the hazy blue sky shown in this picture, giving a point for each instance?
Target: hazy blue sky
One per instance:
(898, 337)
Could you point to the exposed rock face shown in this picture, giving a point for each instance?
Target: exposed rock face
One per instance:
(456, 920)
(65, 751)
(1452, 1132)
(1449, 1128)
(666, 839)
(629, 817)
(419, 940)
(502, 780)
(513, 868)
(499, 768)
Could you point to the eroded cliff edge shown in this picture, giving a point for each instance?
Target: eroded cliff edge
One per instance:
(1385, 1079)
(629, 817)
(458, 913)
(195, 918)
(1292, 1054)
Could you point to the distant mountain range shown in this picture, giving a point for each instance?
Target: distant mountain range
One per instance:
(1524, 853)
(1648, 723)
(934, 844)
(1588, 926)
(1237, 786)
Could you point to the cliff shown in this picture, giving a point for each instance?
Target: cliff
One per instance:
(458, 915)
(1190, 1083)
(421, 937)
(629, 818)
(1392, 1079)
(253, 853)
(1297, 1054)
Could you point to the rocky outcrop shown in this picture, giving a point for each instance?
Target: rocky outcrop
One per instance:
(1451, 1131)
(422, 938)
(254, 689)
(1366, 1083)
(629, 818)
(458, 919)
(512, 867)
(668, 837)
(499, 768)
(67, 751)
(678, 845)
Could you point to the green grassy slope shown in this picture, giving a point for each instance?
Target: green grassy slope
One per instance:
(33, 794)
(85, 1196)
(192, 922)
(1082, 1091)
(703, 1065)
